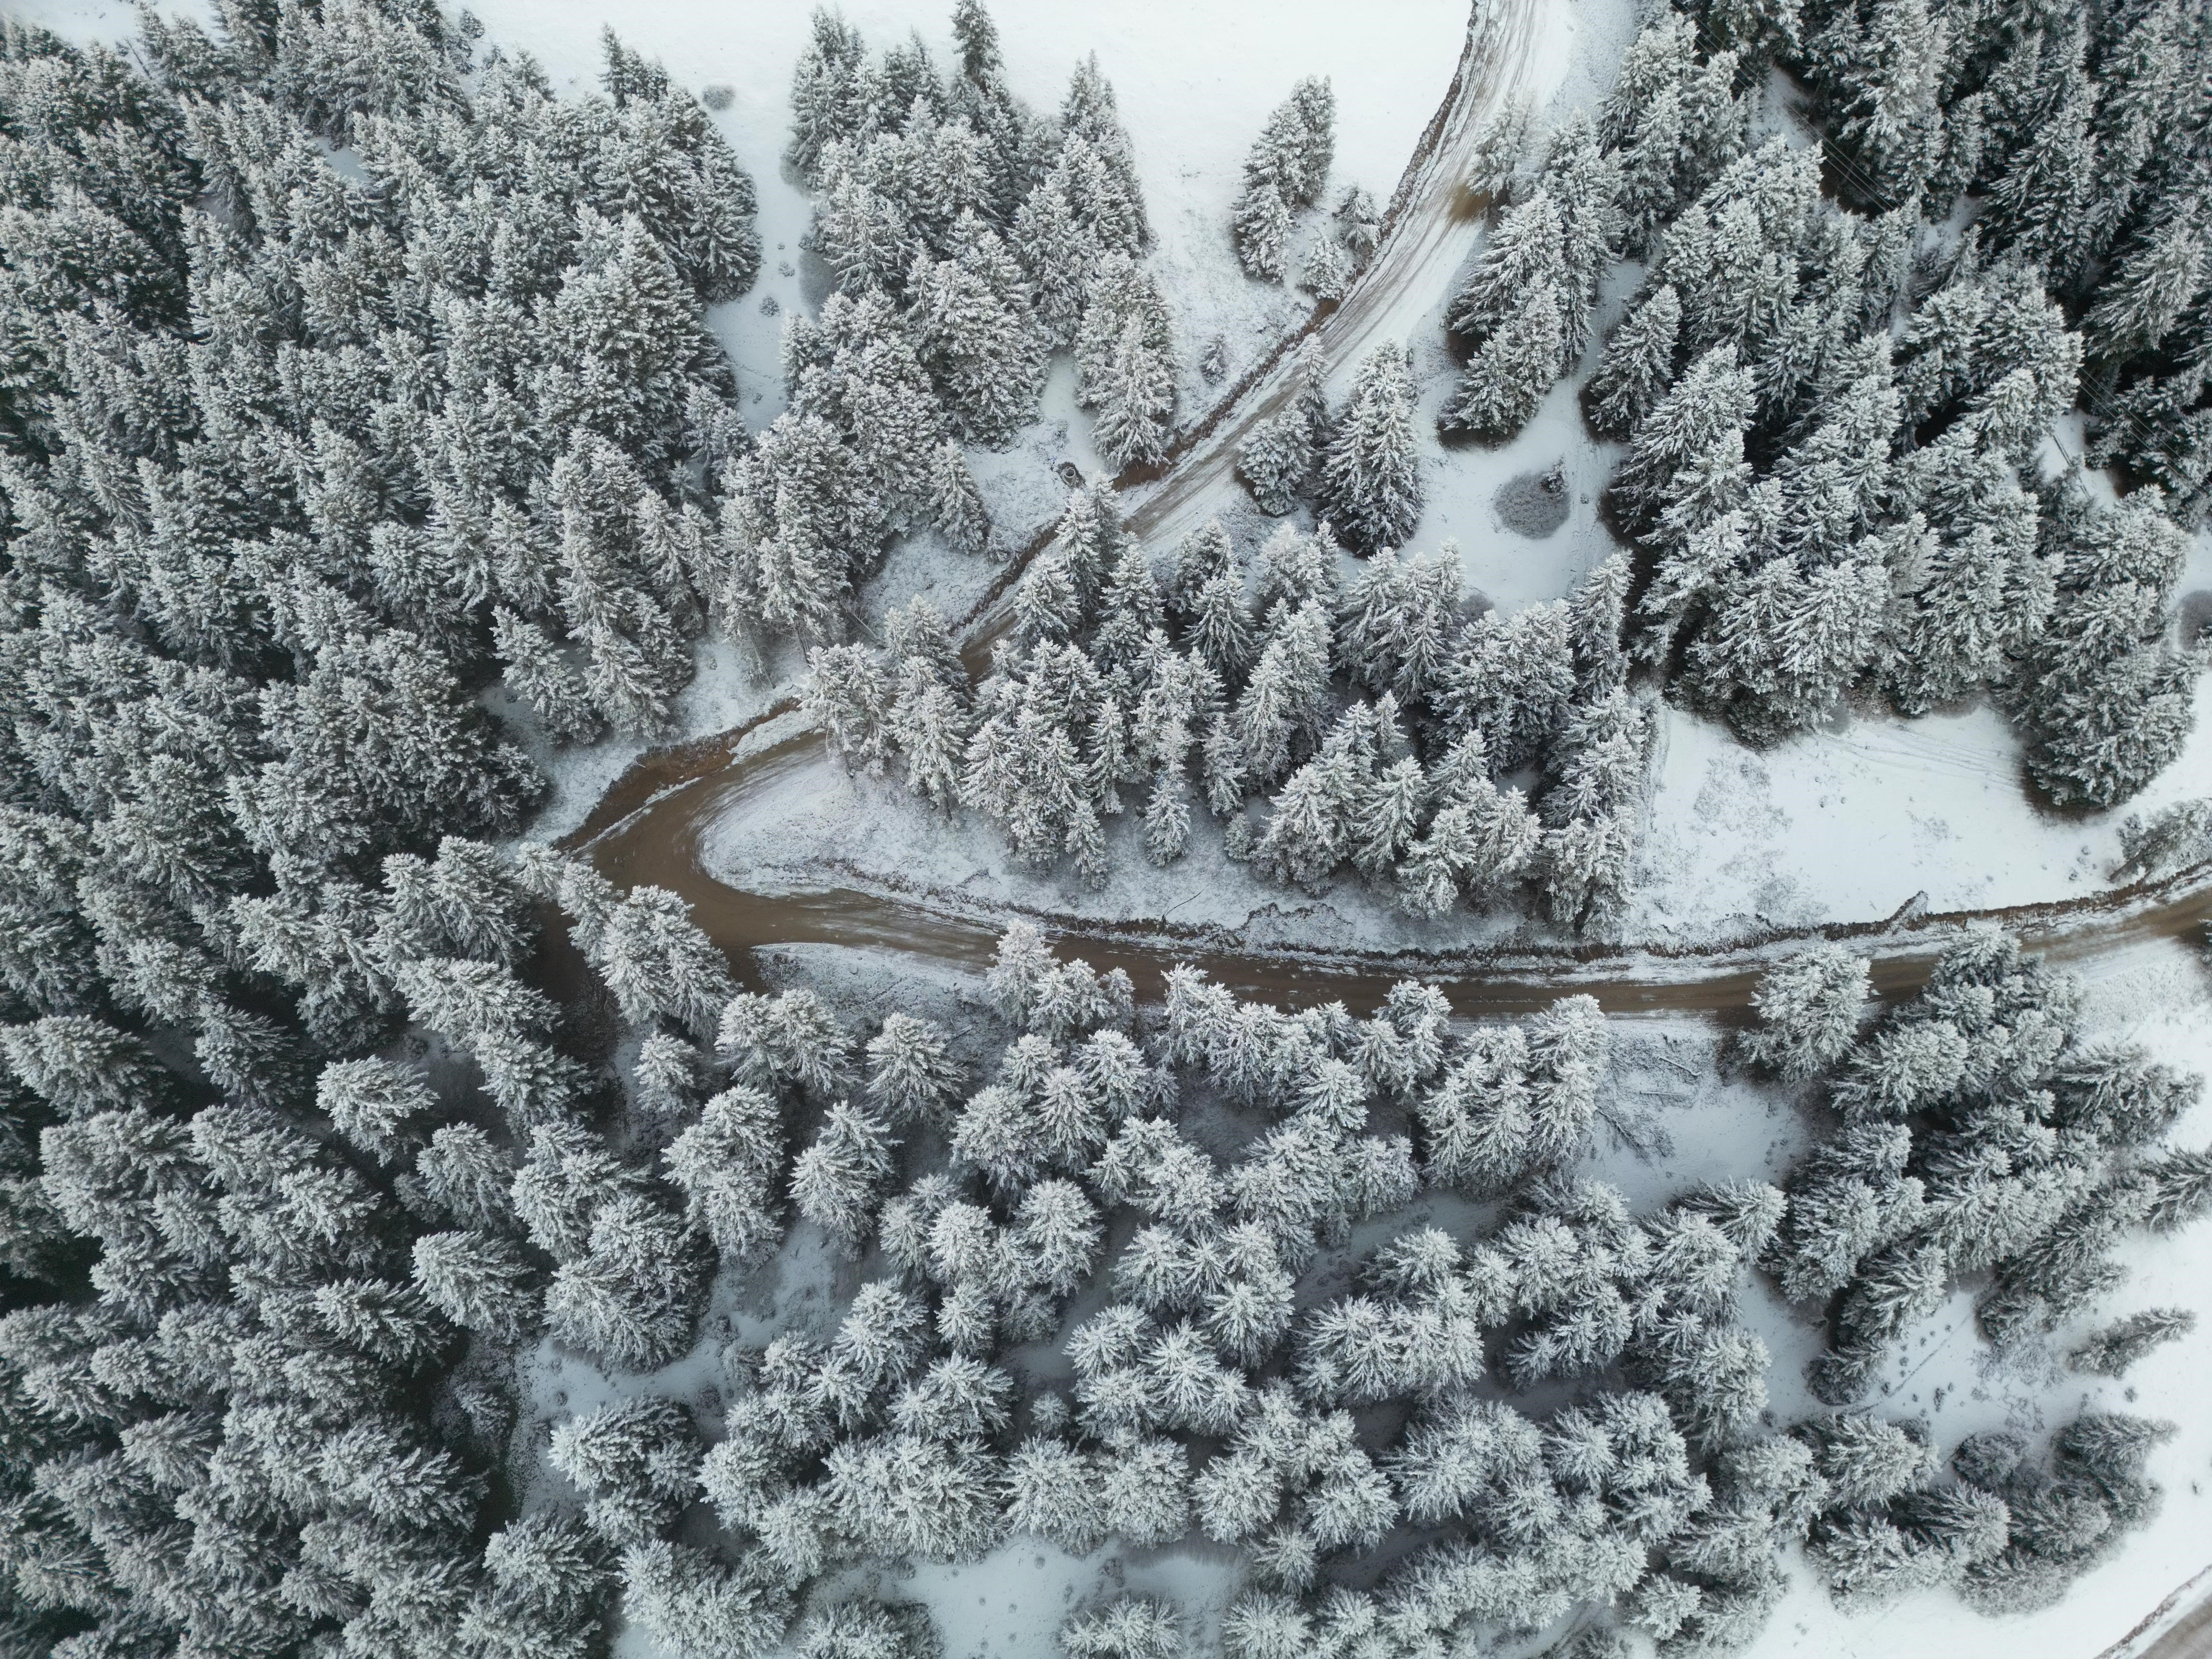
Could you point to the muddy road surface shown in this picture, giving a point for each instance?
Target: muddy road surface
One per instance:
(659, 838)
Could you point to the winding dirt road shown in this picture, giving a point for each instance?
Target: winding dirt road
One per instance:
(651, 823)
(660, 841)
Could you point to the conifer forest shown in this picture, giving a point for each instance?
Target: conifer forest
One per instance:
(1079, 832)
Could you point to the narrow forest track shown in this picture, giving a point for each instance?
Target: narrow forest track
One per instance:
(1428, 230)
(662, 841)
(2189, 1637)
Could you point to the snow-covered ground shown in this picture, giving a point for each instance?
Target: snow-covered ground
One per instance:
(1943, 1372)
(1845, 826)
(1850, 824)
(816, 825)
(1505, 567)
(1954, 1378)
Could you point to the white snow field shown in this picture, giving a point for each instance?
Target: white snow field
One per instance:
(1852, 825)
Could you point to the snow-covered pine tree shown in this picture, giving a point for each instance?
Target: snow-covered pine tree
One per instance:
(1167, 818)
(912, 1075)
(1316, 814)
(2111, 1352)
(1130, 1627)
(374, 1103)
(1883, 78)
(1057, 252)
(1129, 629)
(1652, 162)
(1282, 708)
(1847, 1197)
(536, 672)
(1296, 571)
(1287, 168)
(664, 1078)
(863, 1628)
(835, 1182)
(1967, 606)
(827, 100)
(1370, 479)
(1280, 462)
(682, 1596)
(1219, 621)
(1358, 223)
(1048, 606)
(1481, 839)
(478, 1281)
(973, 335)
(1263, 226)
(729, 1166)
(848, 690)
(1327, 271)
(1709, 400)
(1509, 373)
(1510, 682)
(1638, 366)
(1120, 293)
(1106, 191)
(1527, 251)
(1314, 101)
(1809, 1010)
(2138, 305)
(1586, 182)
(1738, 665)
(2106, 699)
(1396, 625)
(1135, 396)
(1389, 817)
(956, 503)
